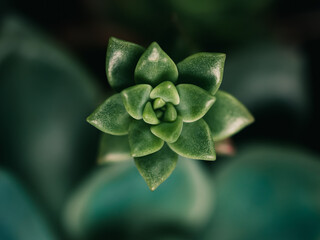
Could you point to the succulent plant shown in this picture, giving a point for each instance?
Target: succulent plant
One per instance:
(166, 109)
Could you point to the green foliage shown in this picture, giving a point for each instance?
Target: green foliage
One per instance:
(120, 63)
(111, 116)
(179, 105)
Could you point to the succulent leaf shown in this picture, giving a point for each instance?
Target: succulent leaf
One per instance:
(170, 114)
(158, 103)
(166, 91)
(111, 116)
(155, 66)
(195, 141)
(142, 142)
(157, 167)
(203, 69)
(194, 102)
(168, 131)
(135, 99)
(121, 60)
(149, 116)
(227, 116)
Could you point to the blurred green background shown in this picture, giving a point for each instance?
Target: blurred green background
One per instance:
(52, 76)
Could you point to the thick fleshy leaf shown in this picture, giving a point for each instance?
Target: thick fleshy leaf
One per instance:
(142, 142)
(158, 103)
(135, 98)
(194, 102)
(166, 91)
(155, 66)
(227, 116)
(195, 141)
(203, 69)
(170, 114)
(168, 132)
(157, 167)
(111, 116)
(121, 60)
(149, 116)
(113, 149)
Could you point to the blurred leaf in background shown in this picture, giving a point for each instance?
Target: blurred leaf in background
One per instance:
(267, 192)
(114, 201)
(44, 98)
(20, 218)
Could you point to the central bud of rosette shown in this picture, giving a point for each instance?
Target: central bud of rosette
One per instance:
(161, 107)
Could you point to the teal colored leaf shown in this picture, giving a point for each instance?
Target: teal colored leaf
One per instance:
(203, 69)
(227, 116)
(21, 217)
(111, 116)
(194, 102)
(142, 142)
(168, 132)
(166, 91)
(170, 114)
(155, 66)
(116, 194)
(195, 141)
(149, 116)
(121, 60)
(113, 148)
(158, 103)
(135, 98)
(157, 167)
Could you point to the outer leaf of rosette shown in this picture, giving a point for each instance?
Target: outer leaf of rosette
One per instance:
(111, 116)
(203, 69)
(194, 102)
(166, 91)
(157, 167)
(135, 98)
(155, 66)
(195, 141)
(227, 116)
(168, 131)
(121, 60)
(142, 142)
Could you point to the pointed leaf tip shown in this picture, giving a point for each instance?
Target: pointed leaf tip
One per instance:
(155, 66)
(227, 116)
(111, 116)
(157, 167)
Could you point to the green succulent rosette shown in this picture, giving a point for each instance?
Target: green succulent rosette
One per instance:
(163, 110)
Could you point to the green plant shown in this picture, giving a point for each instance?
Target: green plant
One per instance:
(167, 109)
